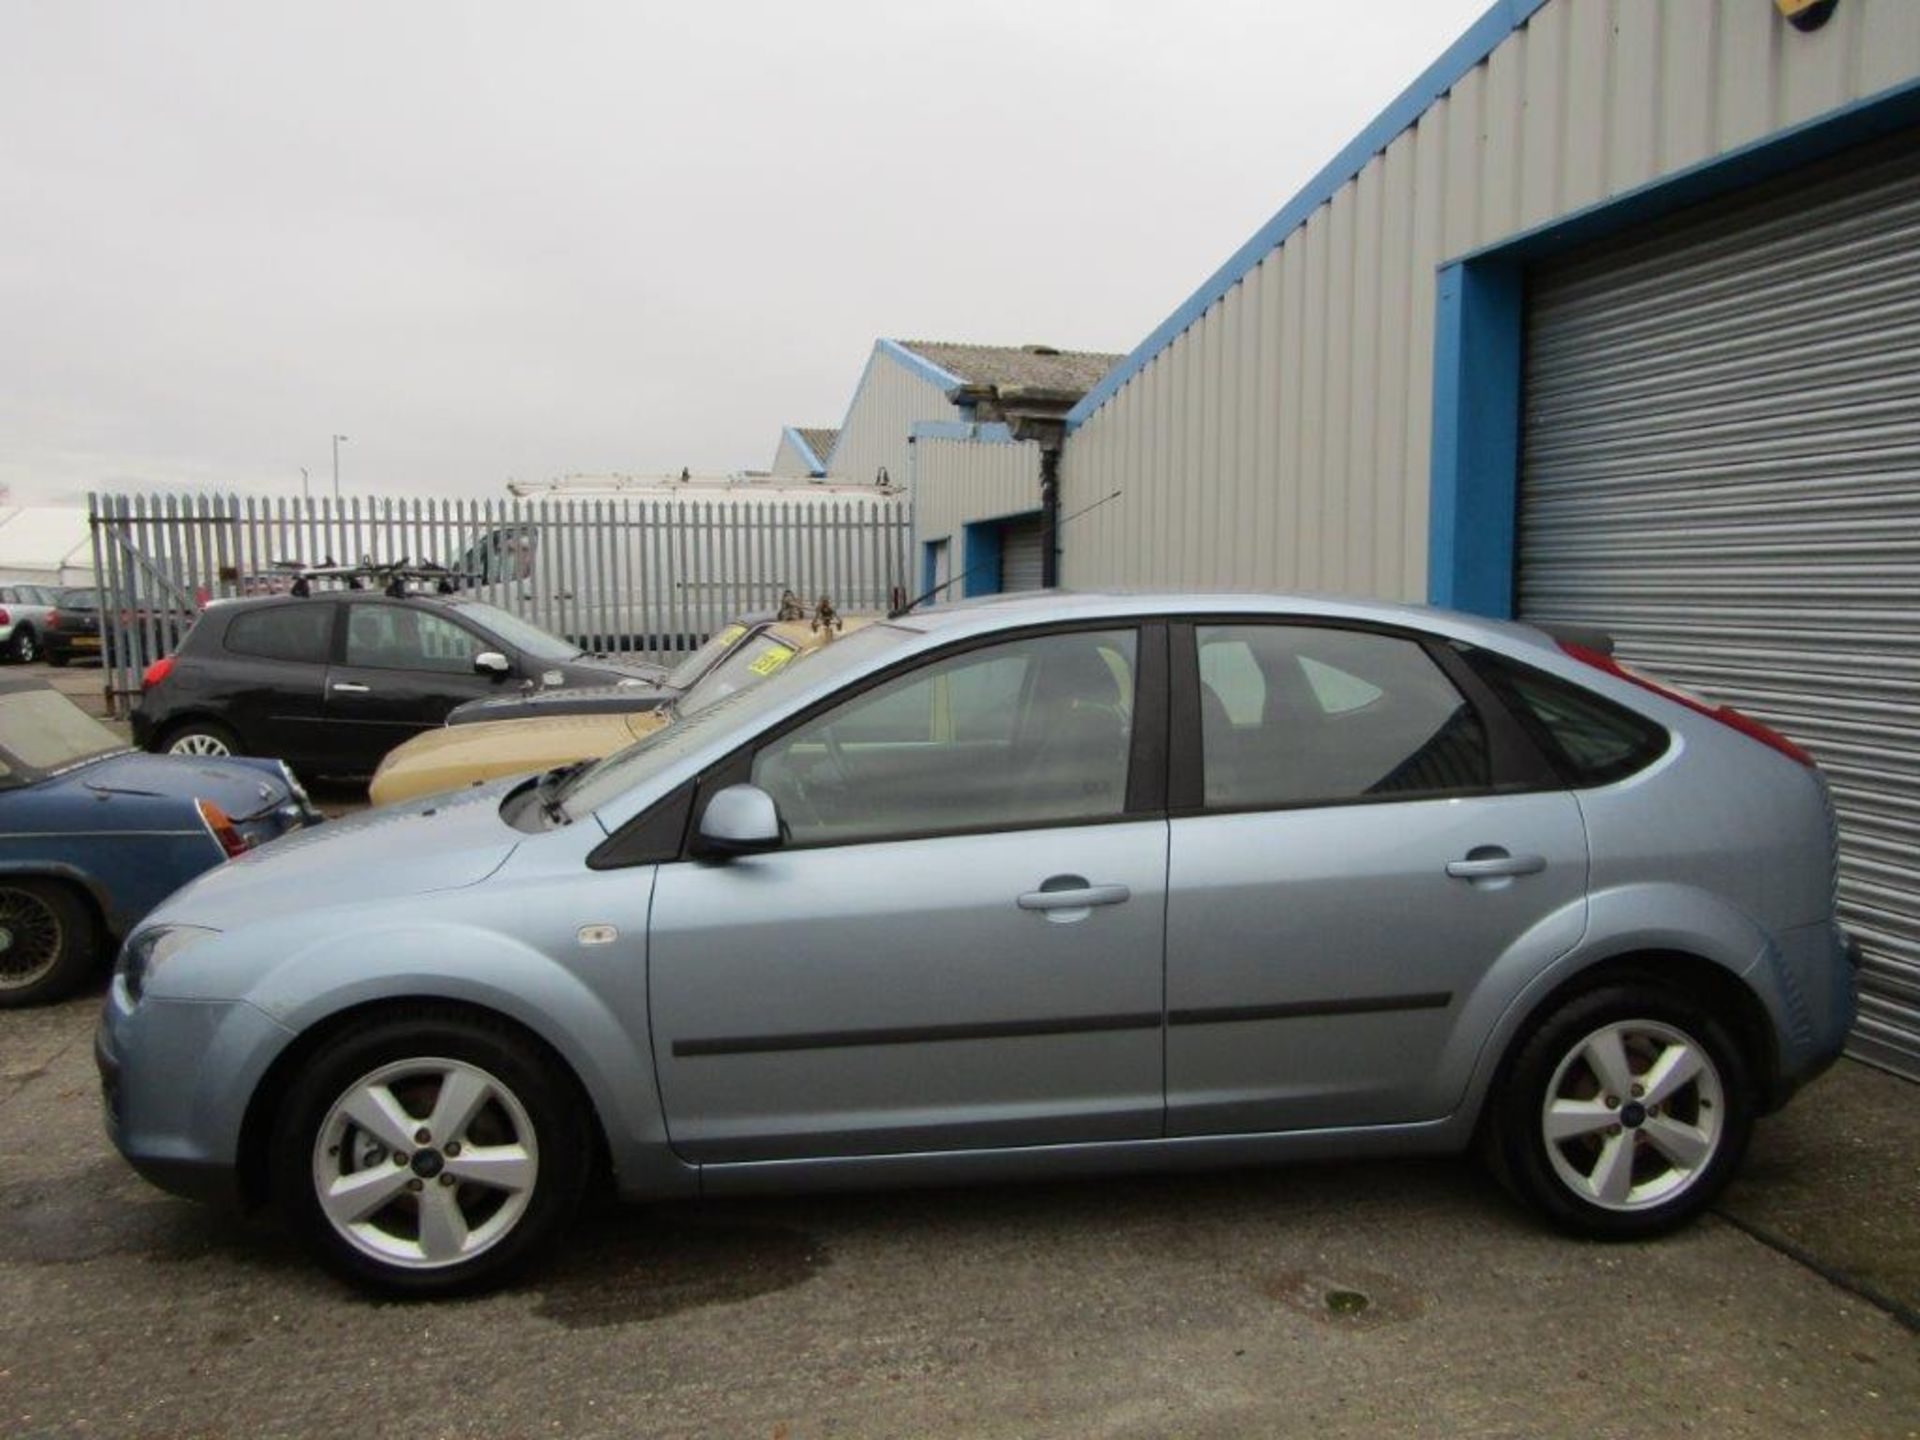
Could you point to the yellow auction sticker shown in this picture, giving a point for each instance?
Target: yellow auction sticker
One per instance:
(771, 661)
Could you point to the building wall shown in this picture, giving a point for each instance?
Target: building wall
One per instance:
(957, 480)
(891, 397)
(1282, 439)
(790, 459)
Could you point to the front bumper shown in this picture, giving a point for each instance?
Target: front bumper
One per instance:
(175, 1080)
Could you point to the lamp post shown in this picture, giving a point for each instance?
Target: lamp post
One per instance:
(336, 467)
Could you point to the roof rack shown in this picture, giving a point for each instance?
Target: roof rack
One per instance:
(392, 577)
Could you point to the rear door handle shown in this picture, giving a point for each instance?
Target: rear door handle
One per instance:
(1077, 899)
(349, 688)
(1495, 867)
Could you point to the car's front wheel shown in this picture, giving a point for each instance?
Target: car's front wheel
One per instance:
(427, 1152)
(1625, 1112)
(49, 941)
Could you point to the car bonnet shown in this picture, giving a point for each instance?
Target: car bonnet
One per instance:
(445, 842)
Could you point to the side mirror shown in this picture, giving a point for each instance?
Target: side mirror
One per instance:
(739, 820)
(492, 662)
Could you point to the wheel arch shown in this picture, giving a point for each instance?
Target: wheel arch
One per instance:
(91, 890)
(1713, 986)
(163, 734)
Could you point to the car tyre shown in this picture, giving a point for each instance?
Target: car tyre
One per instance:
(1624, 1113)
(25, 646)
(49, 941)
(460, 1210)
(199, 739)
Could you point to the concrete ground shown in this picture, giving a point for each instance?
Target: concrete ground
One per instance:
(1216, 1305)
(1190, 1306)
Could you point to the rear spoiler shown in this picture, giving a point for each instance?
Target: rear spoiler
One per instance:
(1585, 636)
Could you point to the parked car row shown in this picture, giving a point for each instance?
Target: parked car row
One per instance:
(57, 623)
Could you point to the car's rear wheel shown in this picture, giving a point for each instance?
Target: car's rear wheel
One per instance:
(49, 941)
(1625, 1112)
(25, 647)
(426, 1153)
(201, 738)
(59, 659)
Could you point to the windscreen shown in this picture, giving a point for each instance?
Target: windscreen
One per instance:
(529, 640)
(701, 660)
(758, 659)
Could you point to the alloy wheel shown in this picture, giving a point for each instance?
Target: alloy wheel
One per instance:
(1634, 1115)
(425, 1163)
(31, 937)
(198, 742)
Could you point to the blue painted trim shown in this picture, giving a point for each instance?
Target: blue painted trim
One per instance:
(980, 558)
(918, 364)
(799, 442)
(1476, 438)
(985, 432)
(1479, 335)
(1480, 41)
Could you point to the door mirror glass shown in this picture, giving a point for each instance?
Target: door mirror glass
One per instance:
(491, 662)
(739, 820)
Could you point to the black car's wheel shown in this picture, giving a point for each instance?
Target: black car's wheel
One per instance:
(25, 646)
(427, 1152)
(49, 941)
(1624, 1113)
(199, 737)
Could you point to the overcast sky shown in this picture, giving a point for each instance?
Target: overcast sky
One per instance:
(490, 240)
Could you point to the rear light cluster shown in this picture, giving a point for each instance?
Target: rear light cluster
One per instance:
(156, 672)
(5, 618)
(221, 827)
(1725, 714)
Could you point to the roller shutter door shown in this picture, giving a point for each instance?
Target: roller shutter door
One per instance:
(1721, 466)
(1020, 553)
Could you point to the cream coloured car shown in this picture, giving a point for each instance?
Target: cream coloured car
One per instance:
(457, 756)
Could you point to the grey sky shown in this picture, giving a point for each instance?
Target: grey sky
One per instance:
(493, 239)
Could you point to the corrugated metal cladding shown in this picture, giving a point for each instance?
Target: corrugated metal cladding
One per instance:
(957, 481)
(788, 461)
(1722, 467)
(1020, 555)
(874, 435)
(1283, 438)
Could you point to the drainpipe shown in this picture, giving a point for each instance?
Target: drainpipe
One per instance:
(1050, 516)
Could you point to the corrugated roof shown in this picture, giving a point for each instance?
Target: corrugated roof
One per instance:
(819, 439)
(1038, 366)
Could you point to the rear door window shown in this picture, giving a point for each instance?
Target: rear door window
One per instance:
(1304, 715)
(300, 632)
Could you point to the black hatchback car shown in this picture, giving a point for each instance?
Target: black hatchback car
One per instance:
(330, 682)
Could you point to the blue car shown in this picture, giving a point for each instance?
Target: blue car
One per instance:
(94, 834)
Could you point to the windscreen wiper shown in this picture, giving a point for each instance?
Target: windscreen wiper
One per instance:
(548, 787)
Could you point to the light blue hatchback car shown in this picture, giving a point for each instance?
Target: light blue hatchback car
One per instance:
(1056, 885)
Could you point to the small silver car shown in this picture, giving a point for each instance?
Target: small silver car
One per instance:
(1055, 885)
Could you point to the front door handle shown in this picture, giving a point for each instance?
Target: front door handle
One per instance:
(347, 687)
(1495, 866)
(1080, 897)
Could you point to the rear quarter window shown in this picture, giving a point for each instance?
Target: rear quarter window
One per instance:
(1589, 739)
(283, 632)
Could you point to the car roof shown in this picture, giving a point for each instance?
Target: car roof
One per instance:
(998, 612)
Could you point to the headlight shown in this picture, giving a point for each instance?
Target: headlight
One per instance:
(149, 949)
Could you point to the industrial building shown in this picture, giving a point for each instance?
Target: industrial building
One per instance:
(1613, 317)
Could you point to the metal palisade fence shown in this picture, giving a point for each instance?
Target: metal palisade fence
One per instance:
(649, 576)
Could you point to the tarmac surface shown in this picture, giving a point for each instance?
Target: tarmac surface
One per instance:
(1385, 1298)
